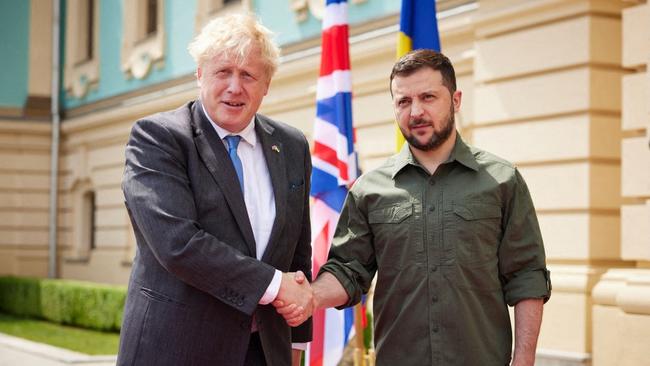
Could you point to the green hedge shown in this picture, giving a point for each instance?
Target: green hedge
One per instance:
(83, 304)
(20, 296)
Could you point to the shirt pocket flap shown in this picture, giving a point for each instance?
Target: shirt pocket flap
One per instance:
(390, 215)
(477, 211)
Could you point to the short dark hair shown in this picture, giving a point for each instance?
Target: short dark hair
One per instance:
(421, 58)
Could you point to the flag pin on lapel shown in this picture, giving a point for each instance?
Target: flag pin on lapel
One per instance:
(275, 148)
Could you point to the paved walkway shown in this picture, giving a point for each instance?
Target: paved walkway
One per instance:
(21, 352)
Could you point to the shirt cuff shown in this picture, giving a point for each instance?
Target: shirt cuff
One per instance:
(273, 289)
(534, 284)
(299, 346)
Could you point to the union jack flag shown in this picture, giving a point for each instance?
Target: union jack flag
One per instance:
(334, 169)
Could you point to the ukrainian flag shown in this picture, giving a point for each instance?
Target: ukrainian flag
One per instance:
(418, 28)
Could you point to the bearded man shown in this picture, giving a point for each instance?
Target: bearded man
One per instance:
(451, 233)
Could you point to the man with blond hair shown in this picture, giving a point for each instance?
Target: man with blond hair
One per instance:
(218, 197)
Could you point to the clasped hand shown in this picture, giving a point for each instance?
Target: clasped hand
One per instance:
(295, 300)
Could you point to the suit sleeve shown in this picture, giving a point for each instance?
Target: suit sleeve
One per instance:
(160, 200)
(302, 257)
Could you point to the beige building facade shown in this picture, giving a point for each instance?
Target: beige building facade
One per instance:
(559, 87)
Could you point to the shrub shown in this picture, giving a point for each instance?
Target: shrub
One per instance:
(83, 304)
(20, 296)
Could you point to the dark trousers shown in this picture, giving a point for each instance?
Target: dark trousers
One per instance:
(255, 353)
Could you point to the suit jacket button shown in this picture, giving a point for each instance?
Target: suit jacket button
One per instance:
(245, 325)
(240, 303)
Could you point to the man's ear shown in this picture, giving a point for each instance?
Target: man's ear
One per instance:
(268, 84)
(198, 76)
(456, 99)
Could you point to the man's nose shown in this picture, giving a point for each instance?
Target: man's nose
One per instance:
(234, 84)
(416, 110)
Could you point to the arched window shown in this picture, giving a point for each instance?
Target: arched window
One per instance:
(84, 213)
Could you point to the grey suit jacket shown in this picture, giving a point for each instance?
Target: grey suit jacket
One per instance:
(195, 282)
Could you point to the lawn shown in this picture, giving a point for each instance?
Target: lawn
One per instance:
(86, 341)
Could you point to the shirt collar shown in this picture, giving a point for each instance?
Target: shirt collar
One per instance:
(247, 134)
(403, 158)
(463, 154)
(460, 153)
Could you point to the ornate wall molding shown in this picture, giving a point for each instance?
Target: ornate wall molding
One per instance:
(302, 8)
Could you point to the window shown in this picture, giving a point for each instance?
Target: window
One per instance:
(88, 213)
(81, 50)
(85, 38)
(84, 213)
(208, 9)
(215, 6)
(144, 34)
(151, 18)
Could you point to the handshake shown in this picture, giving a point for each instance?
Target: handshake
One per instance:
(295, 300)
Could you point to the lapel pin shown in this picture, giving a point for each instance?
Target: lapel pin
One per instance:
(275, 148)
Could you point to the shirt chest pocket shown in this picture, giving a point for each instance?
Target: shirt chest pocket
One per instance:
(392, 235)
(474, 229)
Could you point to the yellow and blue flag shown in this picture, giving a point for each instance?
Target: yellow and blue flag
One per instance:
(418, 28)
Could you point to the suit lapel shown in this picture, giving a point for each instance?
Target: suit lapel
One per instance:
(216, 159)
(276, 163)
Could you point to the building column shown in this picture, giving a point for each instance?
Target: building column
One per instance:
(621, 314)
(548, 98)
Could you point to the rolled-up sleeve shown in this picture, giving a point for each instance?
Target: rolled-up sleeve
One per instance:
(521, 252)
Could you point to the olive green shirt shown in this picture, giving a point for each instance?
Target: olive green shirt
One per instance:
(450, 251)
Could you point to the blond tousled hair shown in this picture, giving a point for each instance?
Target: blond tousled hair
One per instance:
(235, 35)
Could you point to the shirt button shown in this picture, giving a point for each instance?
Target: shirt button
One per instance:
(435, 329)
(432, 182)
(434, 268)
(434, 299)
(432, 208)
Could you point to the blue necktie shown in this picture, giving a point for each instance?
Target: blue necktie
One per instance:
(233, 142)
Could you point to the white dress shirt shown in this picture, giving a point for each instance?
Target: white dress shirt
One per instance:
(259, 200)
(258, 194)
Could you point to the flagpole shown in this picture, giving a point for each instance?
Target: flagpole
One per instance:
(360, 347)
